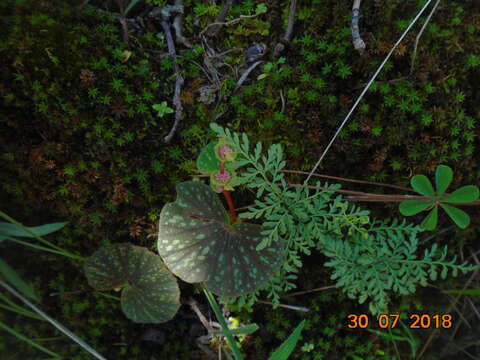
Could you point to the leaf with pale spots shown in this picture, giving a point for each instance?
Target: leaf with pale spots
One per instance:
(150, 292)
(207, 160)
(198, 244)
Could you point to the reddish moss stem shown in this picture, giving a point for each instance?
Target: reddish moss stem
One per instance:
(231, 207)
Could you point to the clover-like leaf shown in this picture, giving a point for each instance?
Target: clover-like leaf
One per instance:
(422, 185)
(443, 178)
(413, 207)
(198, 244)
(150, 292)
(465, 194)
(207, 161)
(460, 217)
(430, 221)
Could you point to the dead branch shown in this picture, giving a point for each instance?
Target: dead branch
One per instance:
(179, 79)
(228, 23)
(245, 75)
(291, 307)
(288, 32)
(178, 26)
(346, 179)
(358, 42)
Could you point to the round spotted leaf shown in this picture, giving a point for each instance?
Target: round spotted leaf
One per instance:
(150, 292)
(198, 244)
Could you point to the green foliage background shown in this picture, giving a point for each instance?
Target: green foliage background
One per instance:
(79, 140)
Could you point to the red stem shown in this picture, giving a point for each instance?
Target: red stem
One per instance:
(231, 207)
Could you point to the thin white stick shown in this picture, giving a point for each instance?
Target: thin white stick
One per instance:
(55, 323)
(365, 90)
(420, 34)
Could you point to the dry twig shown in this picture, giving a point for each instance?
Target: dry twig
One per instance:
(178, 27)
(420, 34)
(288, 33)
(358, 42)
(245, 75)
(179, 79)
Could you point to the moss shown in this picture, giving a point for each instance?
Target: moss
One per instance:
(80, 141)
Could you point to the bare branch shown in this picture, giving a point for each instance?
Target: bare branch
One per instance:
(178, 82)
(178, 27)
(288, 33)
(420, 34)
(245, 75)
(358, 42)
(228, 23)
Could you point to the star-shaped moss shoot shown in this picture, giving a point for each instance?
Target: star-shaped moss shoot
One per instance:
(150, 292)
(443, 178)
(199, 244)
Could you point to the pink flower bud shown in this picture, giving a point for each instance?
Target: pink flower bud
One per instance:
(224, 151)
(223, 177)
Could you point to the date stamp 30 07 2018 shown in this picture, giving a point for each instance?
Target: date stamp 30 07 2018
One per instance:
(384, 321)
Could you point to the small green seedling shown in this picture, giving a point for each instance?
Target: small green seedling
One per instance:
(443, 178)
(162, 109)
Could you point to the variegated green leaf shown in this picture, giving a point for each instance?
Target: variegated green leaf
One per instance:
(207, 161)
(198, 244)
(150, 293)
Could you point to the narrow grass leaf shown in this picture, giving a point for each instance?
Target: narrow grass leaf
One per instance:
(463, 291)
(14, 279)
(28, 341)
(8, 229)
(287, 347)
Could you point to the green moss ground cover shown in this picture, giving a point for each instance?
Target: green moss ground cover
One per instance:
(80, 142)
